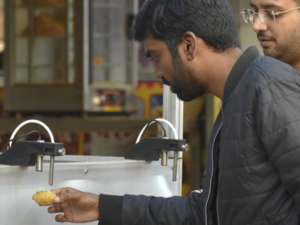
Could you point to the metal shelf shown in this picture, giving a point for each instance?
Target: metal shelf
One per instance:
(43, 7)
(107, 36)
(108, 66)
(108, 5)
(90, 124)
(44, 66)
(47, 36)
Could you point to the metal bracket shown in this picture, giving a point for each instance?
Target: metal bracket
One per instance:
(30, 153)
(151, 148)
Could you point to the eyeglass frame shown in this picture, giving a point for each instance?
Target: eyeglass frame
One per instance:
(273, 13)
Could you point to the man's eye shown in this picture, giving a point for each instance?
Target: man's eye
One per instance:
(153, 59)
(255, 10)
(269, 13)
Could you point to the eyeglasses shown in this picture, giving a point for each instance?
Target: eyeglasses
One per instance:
(265, 15)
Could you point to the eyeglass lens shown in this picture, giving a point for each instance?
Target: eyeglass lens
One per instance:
(265, 15)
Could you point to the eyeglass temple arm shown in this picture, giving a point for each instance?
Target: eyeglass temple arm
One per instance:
(278, 13)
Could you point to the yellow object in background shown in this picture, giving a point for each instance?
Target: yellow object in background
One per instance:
(44, 197)
(217, 104)
(150, 96)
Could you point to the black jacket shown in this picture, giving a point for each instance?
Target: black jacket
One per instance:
(252, 172)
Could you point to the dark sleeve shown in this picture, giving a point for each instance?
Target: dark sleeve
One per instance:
(145, 210)
(110, 209)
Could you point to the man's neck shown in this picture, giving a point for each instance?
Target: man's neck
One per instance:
(221, 71)
(296, 66)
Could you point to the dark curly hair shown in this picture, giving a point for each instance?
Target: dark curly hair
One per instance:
(168, 20)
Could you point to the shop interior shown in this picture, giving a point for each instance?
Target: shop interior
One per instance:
(73, 65)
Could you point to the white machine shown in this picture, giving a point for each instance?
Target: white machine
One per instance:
(107, 175)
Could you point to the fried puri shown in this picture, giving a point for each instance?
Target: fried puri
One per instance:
(44, 197)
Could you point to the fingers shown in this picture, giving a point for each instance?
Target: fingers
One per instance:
(65, 190)
(57, 191)
(60, 191)
(55, 209)
(61, 218)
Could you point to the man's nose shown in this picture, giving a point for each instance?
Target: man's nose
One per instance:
(259, 26)
(157, 72)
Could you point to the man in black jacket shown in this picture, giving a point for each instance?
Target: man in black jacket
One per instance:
(277, 25)
(252, 169)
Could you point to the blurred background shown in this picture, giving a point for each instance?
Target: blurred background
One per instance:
(73, 65)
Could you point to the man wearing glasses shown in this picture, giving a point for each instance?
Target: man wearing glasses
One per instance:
(277, 25)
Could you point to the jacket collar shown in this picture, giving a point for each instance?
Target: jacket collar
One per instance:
(239, 70)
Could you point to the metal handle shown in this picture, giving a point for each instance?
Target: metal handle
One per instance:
(175, 161)
(39, 163)
(164, 157)
(51, 170)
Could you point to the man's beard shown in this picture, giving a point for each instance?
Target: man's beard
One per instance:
(288, 51)
(185, 85)
(276, 52)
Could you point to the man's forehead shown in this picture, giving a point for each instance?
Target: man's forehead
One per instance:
(269, 3)
(151, 44)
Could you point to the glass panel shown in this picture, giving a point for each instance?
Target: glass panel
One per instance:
(45, 38)
(49, 22)
(110, 52)
(43, 3)
(49, 59)
(21, 75)
(2, 45)
(145, 65)
(21, 44)
(70, 43)
(46, 74)
(19, 3)
(21, 51)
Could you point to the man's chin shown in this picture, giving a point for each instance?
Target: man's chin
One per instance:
(267, 52)
(184, 97)
(179, 95)
(172, 89)
(271, 53)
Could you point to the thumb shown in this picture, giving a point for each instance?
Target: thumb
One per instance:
(57, 199)
(65, 197)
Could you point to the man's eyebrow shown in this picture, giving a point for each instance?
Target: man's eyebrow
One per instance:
(252, 5)
(265, 6)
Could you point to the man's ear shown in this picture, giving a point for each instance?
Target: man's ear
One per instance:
(189, 42)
